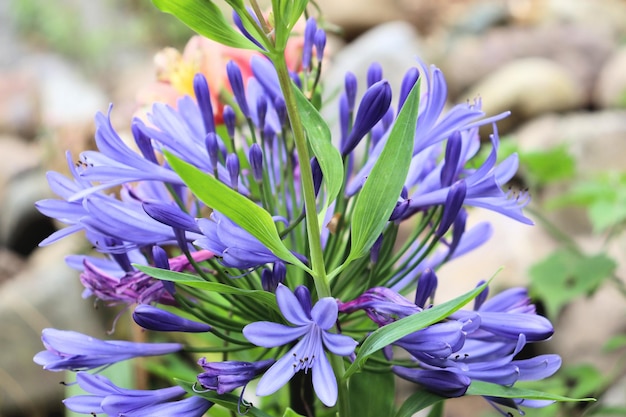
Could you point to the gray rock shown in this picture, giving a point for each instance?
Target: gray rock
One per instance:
(22, 227)
(597, 141)
(67, 97)
(581, 50)
(19, 104)
(527, 87)
(610, 88)
(46, 293)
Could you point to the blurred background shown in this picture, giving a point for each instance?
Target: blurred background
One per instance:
(558, 65)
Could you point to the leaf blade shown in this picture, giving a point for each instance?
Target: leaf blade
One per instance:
(241, 210)
(204, 17)
(392, 332)
(379, 194)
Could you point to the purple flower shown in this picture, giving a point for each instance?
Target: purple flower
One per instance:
(445, 383)
(153, 318)
(226, 376)
(73, 351)
(106, 397)
(238, 248)
(310, 326)
(114, 284)
(373, 107)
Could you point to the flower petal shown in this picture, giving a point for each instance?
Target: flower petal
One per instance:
(269, 335)
(324, 381)
(339, 344)
(290, 306)
(324, 312)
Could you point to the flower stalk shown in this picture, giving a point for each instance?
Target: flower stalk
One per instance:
(308, 188)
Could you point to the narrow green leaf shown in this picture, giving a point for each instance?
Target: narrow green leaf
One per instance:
(241, 210)
(263, 297)
(229, 401)
(204, 17)
(397, 330)
(372, 394)
(379, 194)
(495, 390)
(417, 402)
(327, 155)
(290, 413)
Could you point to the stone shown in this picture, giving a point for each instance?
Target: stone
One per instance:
(46, 293)
(357, 56)
(596, 140)
(354, 17)
(610, 88)
(527, 87)
(19, 104)
(580, 50)
(22, 227)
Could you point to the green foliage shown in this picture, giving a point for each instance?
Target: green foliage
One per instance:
(379, 194)
(267, 299)
(319, 138)
(565, 275)
(417, 402)
(604, 197)
(245, 213)
(544, 167)
(204, 17)
(390, 333)
(494, 390)
(372, 394)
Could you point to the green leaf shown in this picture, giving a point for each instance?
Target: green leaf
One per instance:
(543, 167)
(228, 401)
(495, 390)
(207, 19)
(615, 343)
(372, 394)
(290, 413)
(263, 297)
(327, 155)
(417, 402)
(564, 276)
(392, 332)
(241, 210)
(379, 194)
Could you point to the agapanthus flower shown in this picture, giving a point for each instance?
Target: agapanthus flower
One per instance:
(153, 318)
(116, 281)
(226, 376)
(73, 351)
(105, 397)
(310, 326)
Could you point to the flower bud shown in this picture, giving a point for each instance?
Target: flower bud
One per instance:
(307, 49)
(255, 157)
(236, 82)
(320, 44)
(374, 74)
(409, 80)
(203, 96)
(232, 165)
(373, 107)
(153, 318)
(230, 120)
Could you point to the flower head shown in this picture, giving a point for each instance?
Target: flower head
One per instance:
(310, 326)
(73, 351)
(106, 397)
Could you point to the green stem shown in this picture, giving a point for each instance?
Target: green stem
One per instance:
(308, 190)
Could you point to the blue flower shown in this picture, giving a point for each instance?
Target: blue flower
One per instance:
(310, 326)
(226, 376)
(73, 351)
(153, 318)
(106, 397)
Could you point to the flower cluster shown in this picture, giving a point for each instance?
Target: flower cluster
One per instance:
(218, 221)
